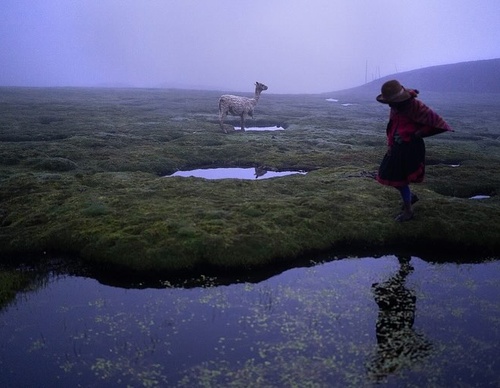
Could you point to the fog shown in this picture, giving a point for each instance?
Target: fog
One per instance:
(293, 46)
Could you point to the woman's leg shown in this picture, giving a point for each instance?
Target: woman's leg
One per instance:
(405, 193)
(406, 196)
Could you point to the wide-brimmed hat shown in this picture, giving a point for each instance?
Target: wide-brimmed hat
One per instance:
(393, 91)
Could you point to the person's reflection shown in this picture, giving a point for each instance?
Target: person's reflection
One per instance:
(398, 345)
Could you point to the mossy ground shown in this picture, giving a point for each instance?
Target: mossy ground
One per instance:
(82, 172)
(10, 282)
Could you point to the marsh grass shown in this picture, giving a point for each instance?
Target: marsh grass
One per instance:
(10, 282)
(82, 172)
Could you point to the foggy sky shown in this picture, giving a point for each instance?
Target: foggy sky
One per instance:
(293, 46)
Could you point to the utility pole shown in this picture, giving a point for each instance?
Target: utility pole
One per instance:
(366, 72)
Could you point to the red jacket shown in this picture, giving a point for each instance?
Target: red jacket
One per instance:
(415, 116)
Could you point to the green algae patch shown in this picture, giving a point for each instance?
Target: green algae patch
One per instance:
(91, 180)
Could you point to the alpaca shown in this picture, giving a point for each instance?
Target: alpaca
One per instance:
(239, 106)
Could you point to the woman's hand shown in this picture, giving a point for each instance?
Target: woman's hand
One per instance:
(418, 134)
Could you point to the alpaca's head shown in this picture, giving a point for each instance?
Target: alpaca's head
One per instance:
(260, 87)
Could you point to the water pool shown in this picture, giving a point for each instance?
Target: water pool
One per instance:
(348, 322)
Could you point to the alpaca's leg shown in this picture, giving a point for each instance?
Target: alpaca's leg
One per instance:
(222, 116)
(242, 122)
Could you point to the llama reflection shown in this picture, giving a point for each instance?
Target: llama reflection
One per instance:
(260, 171)
(399, 346)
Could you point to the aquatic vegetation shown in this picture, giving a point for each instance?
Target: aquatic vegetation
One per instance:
(345, 322)
(81, 172)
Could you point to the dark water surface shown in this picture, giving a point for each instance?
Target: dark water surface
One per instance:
(350, 322)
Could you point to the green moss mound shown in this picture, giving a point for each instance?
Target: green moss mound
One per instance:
(83, 171)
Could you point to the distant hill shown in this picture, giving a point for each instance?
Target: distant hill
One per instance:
(476, 76)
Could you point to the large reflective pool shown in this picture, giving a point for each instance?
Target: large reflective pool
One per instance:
(345, 323)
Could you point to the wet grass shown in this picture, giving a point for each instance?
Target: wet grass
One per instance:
(10, 282)
(82, 172)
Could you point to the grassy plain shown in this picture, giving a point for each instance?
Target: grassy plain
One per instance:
(82, 173)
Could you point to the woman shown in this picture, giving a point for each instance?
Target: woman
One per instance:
(410, 120)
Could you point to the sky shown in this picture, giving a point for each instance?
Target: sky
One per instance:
(292, 46)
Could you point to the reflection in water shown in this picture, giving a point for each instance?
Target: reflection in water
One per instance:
(311, 326)
(260, 171)
(399, 345)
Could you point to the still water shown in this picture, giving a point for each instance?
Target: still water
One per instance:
(348, 322)
(234, 173)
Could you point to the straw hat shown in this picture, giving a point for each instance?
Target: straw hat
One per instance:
(393, 91)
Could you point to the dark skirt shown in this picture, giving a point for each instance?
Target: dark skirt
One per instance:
(404, 165)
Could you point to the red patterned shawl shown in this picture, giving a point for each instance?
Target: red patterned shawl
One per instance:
(425, 119)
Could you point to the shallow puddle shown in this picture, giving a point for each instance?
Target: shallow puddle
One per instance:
(275, 128)
(351, 322)
(336, 100)
(480, 197)
(234, 173)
